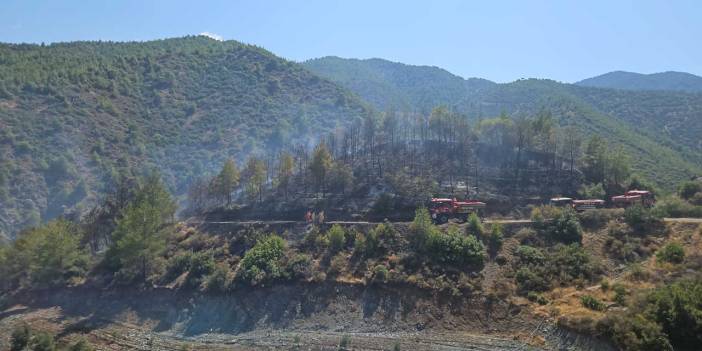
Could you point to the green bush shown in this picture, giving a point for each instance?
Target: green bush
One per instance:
(263, 261)
(561, 225)
(455, 248)
(475, 226)
(592, 303)
(528, 280)
(20, 338)
(43, 342)
(634, 333)
(674, 206)
(672, 253)
(688, 189)
(640, 218)
(337, 238)
(495, 239)
(218, 280)
(530, 255)
(380, 273)
(536, 297)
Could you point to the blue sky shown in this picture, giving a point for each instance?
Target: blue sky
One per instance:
(498, 40)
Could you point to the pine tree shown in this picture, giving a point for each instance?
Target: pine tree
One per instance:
(285, 172)
(227, 181)
(320, 165)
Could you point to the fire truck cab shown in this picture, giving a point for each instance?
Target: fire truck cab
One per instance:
(634, 197)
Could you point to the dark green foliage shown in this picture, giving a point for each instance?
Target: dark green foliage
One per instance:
(337, 238)
(344, 343)
(588, 301)
(475, 226)
(455, 248)
(640, 218)
(46, 256)
(563, 264)
(262, 262)
(536, 297)
(530, 255)
(528, 280)
(672, 253)
(20, 338)
(380, 273)
(678, 309)
(80, 345)
(688, 189)
(495, 238)
(43, 342)
(140, 235)
(563, 226)
(667, 318)
(673, 206)
(634, 333)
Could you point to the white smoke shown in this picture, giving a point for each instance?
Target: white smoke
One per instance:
(212, 36)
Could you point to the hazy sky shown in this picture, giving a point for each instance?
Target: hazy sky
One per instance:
(498, 40)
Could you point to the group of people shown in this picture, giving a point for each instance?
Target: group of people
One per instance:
(314, 217)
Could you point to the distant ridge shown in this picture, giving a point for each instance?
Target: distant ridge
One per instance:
(673, 81)
(393, 85)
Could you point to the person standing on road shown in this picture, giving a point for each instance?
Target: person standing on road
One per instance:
(320, 217)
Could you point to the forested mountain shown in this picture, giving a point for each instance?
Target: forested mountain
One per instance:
(390, 85)
(675, 81)
(74, 115)
(658, 129)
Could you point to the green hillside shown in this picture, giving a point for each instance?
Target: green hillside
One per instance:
(390, 85)
(675, 81)
(658, 129)
(74, 115)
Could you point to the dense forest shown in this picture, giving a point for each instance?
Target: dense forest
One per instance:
(74, 115)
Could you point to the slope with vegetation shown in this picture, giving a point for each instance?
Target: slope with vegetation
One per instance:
(657, 129)
(73, 115)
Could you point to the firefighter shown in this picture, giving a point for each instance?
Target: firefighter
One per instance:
(308, 216)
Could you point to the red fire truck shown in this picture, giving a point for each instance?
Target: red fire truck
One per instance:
(634, 197)
(443, 209)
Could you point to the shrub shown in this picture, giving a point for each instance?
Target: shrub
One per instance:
(677, 308)
(298, 266)
(337, 238)
(337, 264)
(597, 218)
(81, 345)
(495, 238)
(262, 262)
(619, 294)
(20, 338)
(344, 342)
(530, 255)
(536, 297)
(592, 303)
(674, 206)
(421, 228)
(565, 228)
(640, 218)
(557, 224)
(672, 253)
(634, 333)
(201, 264)
(219, 280)
(454, 248)
(380, 273)
(474, 226)
(688, 189)
(528, 280)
